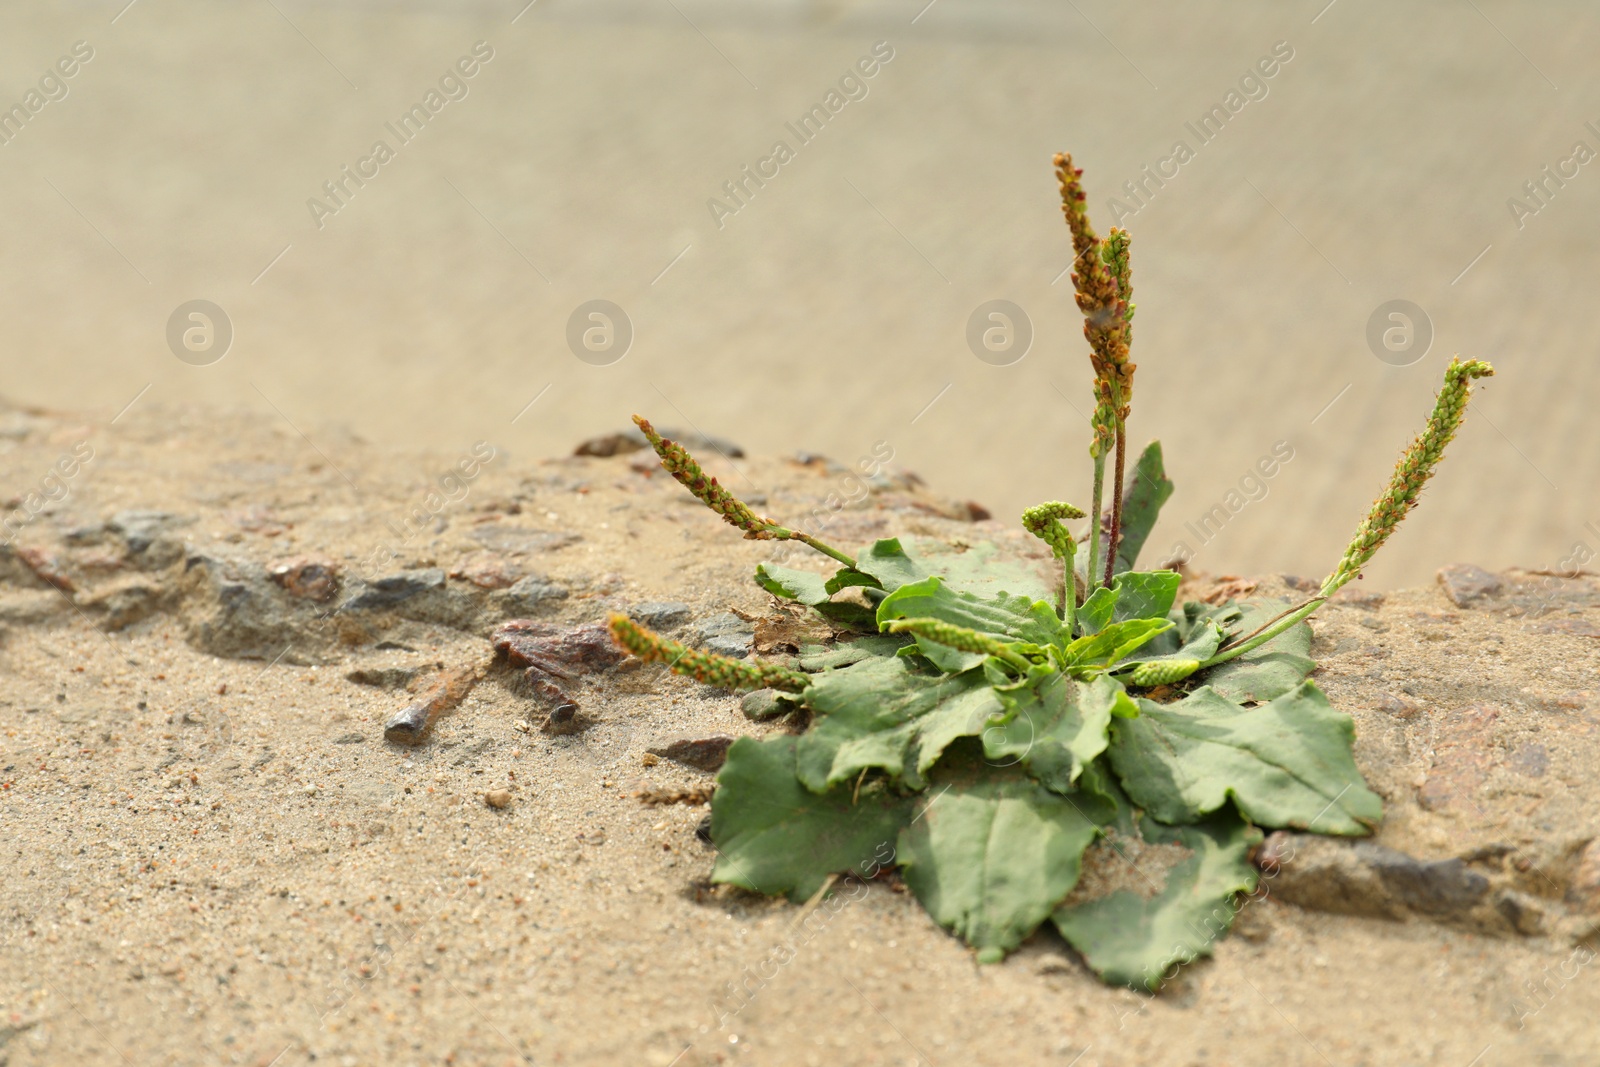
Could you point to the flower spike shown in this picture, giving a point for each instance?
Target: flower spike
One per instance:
(1416, 466)
(708, 667)
(676, 461)
(960, 638)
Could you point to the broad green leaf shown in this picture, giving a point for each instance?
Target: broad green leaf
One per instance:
(1054, 726)
(821, 657)
(976, 570)
(816, 592)
(1147, 489)
(1010, 618)
(884, 712)
(1287, 763)
(846, 578)
(1100, 650)
(990, 852)
(1103, 800)
(1139, 941)
(1144, 594)
(791, 584)
(1275, 668)
(773, 835)
(1134, 595)
(1094, 614)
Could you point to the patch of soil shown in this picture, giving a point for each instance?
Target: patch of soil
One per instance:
(215, 856)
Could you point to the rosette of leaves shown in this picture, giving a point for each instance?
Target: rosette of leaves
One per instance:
(980, 727)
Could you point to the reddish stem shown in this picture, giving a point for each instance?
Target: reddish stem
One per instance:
(1116, 502)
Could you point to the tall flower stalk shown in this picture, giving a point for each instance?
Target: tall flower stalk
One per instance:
(1416, 466)
(1103, 285)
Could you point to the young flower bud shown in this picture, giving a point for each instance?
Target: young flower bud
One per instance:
(1163, 672)
(1043, 521)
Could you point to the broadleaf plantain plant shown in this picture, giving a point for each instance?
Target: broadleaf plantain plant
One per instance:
(984, 730)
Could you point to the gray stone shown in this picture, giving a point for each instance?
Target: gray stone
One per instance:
(726, 635)
(1362, 878)
(395, 589)
(126, 602)
(701, 753)
(533, 592)
(1526, 914)
(661, 614)
(1463, 583)
(765, 704)
(140, 528)
(235, 610)
(1442, 888)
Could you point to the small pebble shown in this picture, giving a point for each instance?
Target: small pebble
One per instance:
(498, 798)
(1463, 583)
(701, 753)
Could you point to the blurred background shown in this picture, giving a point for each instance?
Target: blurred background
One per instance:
(1337, 158)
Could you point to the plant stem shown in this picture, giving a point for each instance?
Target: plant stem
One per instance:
(1268, 630)
(1069, 588)
(1091, 578)
(826, 550)
(1116, 502)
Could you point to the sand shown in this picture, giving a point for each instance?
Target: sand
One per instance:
(214, 856)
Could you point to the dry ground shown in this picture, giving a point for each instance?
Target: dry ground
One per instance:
(213, 856)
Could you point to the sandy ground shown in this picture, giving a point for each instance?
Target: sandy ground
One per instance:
(831, 311)
(214, 857)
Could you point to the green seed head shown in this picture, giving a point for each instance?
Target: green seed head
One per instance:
(1044, 522)
(1416, 466)
(676, 461)
(708, 667)
(1163, 672)
(958, 637)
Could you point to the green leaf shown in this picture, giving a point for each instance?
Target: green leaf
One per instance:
(1055, 726)
(1144, 594)
(816, 592)
(775, 836)
(1204, 639)
(1100, 650)
(1287, 763)
(1104, 801)
(791, 584)
(846, 578)
(1010, 618)
(1133, 595)
(976, 570)
(1275, 668)
(1094, 614)
(884, 712)
(991, 852)
(1148, 488)
(1136, 940)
